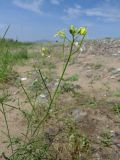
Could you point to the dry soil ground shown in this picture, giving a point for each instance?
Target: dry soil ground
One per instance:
(98, 84)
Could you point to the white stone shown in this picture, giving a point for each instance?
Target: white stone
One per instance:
(23, 79)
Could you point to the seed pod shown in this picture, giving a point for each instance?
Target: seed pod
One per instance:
(72, 30)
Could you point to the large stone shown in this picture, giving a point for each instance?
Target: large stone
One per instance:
(78, 115)
(42, 99)
(116, 71)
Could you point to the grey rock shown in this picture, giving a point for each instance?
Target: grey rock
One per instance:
(116, 71)
(42, 99)
(89, 74)
(78, 115)
(115, 54)
(97, 156)
(112, 77)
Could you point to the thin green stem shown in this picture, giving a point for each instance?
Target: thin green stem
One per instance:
(13, 107)
(79, 45)
(5, 33)
(27, 97)
(33, 110)
(56, 90)
(26, 134)
(4, 114)
(50, 105)
(1, 111)
(4, 156)
(63, 50)
(45, 84)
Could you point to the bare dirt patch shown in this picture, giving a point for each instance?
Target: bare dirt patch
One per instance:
(98, 78)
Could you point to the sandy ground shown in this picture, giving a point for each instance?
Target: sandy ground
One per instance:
(96, 78)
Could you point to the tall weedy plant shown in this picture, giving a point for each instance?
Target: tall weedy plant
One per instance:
(29, 149)
(76, 34)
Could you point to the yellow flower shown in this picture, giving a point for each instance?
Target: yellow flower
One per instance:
(61, 34)
(82, 31)
(43, 49)
(72, 30)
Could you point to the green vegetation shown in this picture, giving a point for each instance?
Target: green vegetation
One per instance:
(7, 60)
(95, 66)
(106, 139)
(33, 145)
(9, 56)
(116, 108)
(58, 115)
(72, 78)
(117, 93)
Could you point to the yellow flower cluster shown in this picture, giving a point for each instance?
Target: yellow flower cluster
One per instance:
(75, 31)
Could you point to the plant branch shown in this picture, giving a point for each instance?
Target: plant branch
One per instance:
(79, 45)
(45, 84)
(4, 114)
(27, 97)
(56, 90)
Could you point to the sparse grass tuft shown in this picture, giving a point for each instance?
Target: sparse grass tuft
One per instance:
(72, 78)
(20, 55)
(7, 61)
(116, 109)
(106, 139)
(67, 87)
(117, 93)
(95, 66)
(5, 66)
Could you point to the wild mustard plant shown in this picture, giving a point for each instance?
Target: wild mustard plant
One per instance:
(45, 51)
(30, 147)
(75, 34)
